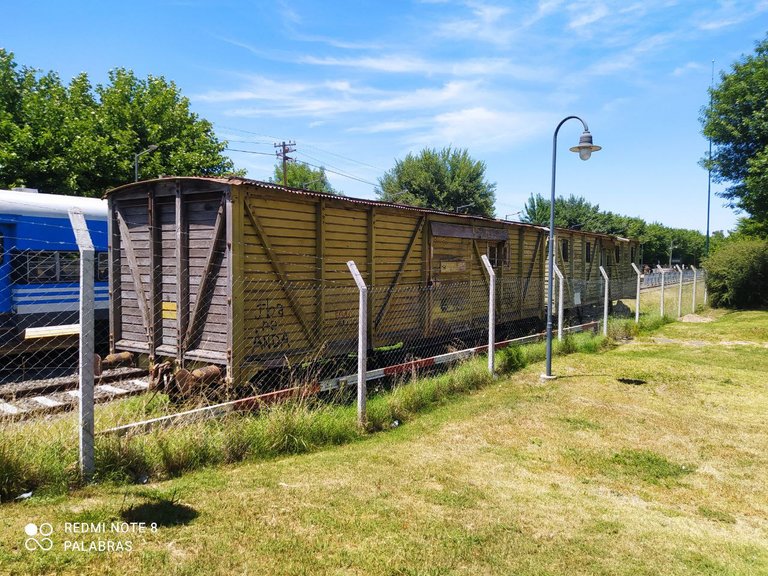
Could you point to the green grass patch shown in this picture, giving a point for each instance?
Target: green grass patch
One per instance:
(575, 423)
(48, 461)
(649, 466)
(717, 515)
(581, 475)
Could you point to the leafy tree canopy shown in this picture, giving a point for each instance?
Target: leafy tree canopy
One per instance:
(737, 123)
(685, 246)
(77, 139)
(300, 175)
(440, 179)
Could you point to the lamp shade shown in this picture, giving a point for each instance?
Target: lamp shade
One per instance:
(585, 147)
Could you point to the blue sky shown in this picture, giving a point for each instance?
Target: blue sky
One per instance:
(359, 84)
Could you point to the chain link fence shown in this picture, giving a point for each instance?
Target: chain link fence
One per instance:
(275, 339)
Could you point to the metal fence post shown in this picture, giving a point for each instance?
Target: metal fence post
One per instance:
(362, 343)
(637, 295)
(559, 301)
(605, 304)
(491, 311)
(86, 416)
(662, 271)
(680, 292)
(693, 308)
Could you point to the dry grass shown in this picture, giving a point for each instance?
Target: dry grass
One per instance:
(660, 473)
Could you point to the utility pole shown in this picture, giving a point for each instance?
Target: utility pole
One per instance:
(709, 160)
(285, 148)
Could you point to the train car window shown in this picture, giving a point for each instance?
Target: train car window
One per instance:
(69, 267)
(564, 250)
(18, 267)
(102, 266)
(493, 255)
(41, 267)
(498, 254)
(617, 252)
(588, 256)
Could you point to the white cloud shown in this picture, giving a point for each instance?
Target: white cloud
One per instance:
(487, 23)
(387, 63)
(687, 67)
(390, 126)
(481, 128)
(596, 12)
(728, 14)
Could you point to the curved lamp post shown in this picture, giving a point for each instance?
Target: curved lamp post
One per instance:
(584, 149)
(150, 148)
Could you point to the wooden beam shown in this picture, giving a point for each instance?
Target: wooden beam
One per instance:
(484, 275)
(236, 298)
(426, 271)
(155, 272)
(520, 256)
(205, 277)
(277, 267)
(115, 289)
(371, 256)
(401, 269)
(530, 268)
(133, 266)
(182, 275)
(320, 268)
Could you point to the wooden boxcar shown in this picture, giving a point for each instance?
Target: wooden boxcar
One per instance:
(245, 275)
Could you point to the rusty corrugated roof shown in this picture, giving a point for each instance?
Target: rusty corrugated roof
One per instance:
(238, 180)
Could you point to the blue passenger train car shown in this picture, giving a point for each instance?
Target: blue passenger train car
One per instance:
(40, 269)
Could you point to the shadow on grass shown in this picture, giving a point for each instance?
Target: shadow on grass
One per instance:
(161, 511)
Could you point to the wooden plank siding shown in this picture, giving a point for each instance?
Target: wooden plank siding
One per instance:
(251, 275)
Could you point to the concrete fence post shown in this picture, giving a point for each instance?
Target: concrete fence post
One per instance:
(559, 301)
(362, 344)
(605, 302)
(693, 300)
(637, 294)
(679, 292)
(87, 304)
(491, 312)
(662, 271)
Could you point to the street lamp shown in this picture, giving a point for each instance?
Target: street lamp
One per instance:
(464, 206)
(671, 247)
(150, 148)
(584, 149)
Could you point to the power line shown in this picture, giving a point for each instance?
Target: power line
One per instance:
(338, 173)
(249, 152)
(344, 157)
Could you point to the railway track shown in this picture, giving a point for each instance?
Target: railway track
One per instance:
(44, 396)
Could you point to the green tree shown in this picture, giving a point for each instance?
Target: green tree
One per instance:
(301, 175)
(737, 123)
(76, 139)
(442, 180)
(687, 246)
(576, 212)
